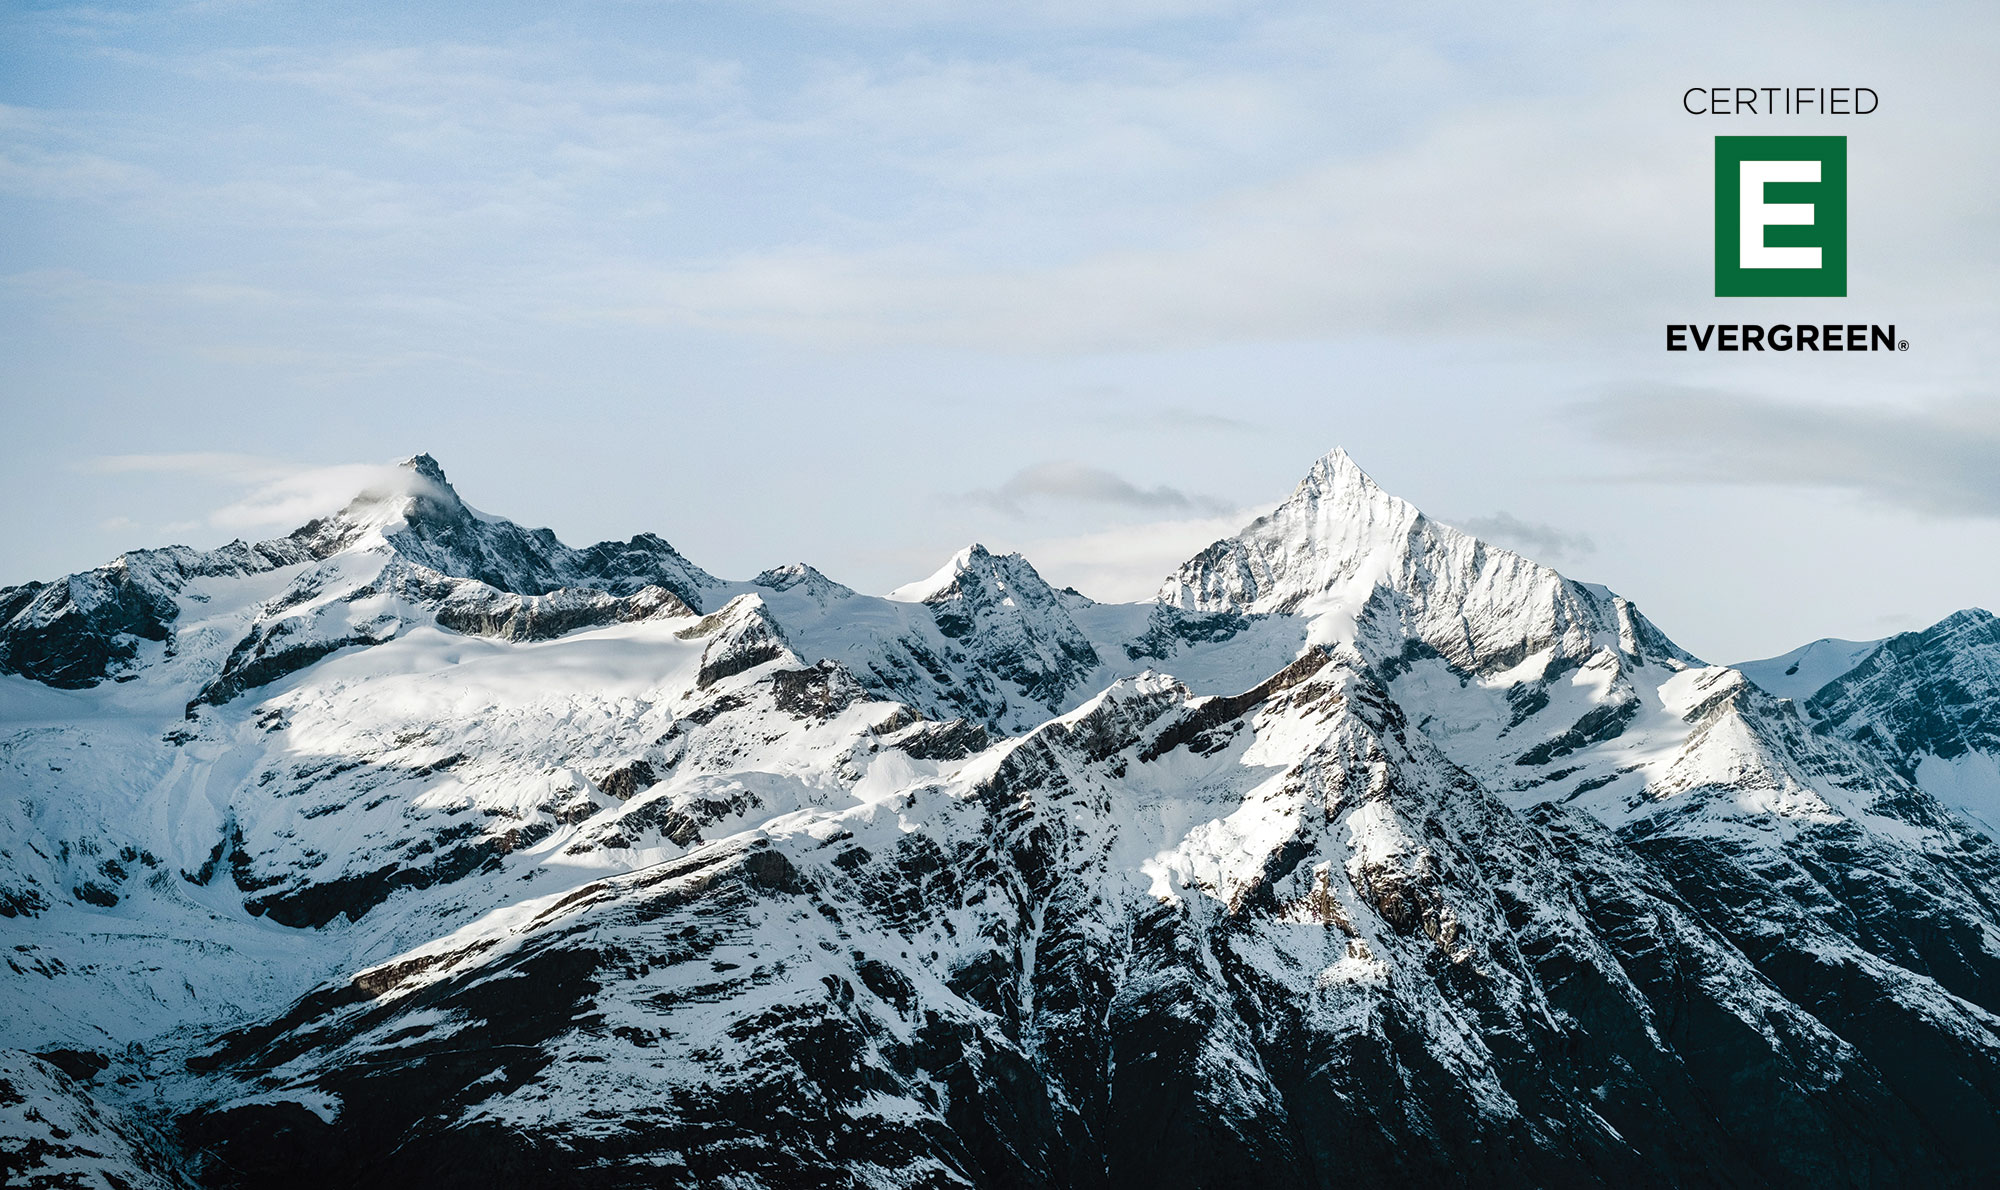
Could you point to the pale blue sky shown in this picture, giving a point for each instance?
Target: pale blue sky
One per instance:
(858, 283)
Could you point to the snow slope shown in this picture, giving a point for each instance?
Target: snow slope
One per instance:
(1801, 673)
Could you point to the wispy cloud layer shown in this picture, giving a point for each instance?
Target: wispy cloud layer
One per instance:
(1078, 483)
(1545, 543)
(1940, 459)
(266, 494)
(781, 174)
(1131, 562)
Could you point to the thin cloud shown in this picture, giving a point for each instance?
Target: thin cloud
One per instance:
(1103, 198)
(1129, 563)
(1356, 245)
(269, 493)
(1077, 483)
(1125, 411)
(1545, 542)
(1942, 459)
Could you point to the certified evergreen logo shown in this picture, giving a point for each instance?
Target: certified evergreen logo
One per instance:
(1781, 216)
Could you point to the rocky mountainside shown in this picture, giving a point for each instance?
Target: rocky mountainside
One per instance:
(1929, 701)
(416, 848)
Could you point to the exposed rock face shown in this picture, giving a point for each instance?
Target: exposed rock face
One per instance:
(424, 522)
(1934, 693)
(1928, 701)
(1369, 854)
(55, 1132)
(415, 540)
(985, 638)
(77, 631)
(1342, 547)
(1011, 623)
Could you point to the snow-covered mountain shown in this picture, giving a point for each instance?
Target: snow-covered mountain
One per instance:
(417, 848)
(1929, 700)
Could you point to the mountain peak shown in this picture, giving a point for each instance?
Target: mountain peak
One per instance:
(800, 577)
(1335, 476)
(1342, 550)
(413, 511)
(1969, 617)
(1337, 527)
(1004, 614)
(1800, 673)
(413, 494)
(426, 466)
(1338, 468)
(974, 558)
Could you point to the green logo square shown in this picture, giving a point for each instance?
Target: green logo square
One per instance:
(1780, 216)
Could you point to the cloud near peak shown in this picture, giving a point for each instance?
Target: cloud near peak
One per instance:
(267, 493)
(1543, 542)
(1064, 482)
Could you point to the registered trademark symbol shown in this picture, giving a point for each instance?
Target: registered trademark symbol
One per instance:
(1903, 345)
